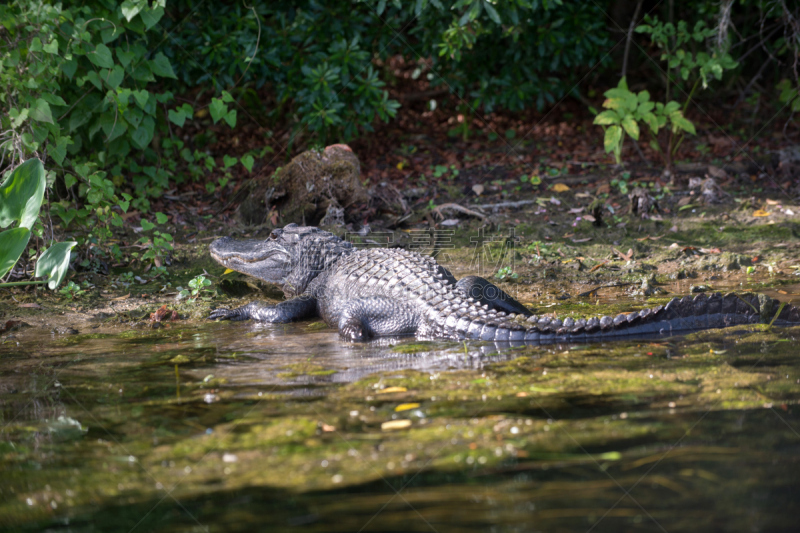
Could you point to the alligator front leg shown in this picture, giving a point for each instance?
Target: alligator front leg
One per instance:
(487, 293)
(361, 319)
(288, 311)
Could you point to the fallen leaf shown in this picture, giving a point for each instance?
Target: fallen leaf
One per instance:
(560, 187)
(710, 251)
(626, 257)
(598, 265)
(387, 390)
(406, 407)
(587, 239)
(121, 297)
(30, 306)
(772, 202)
(327, 429)
(760, 213)
(575, 210)
(590, 218)
(478, 189)
(395, 424)
(228, 271)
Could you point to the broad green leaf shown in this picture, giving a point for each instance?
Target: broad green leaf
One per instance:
(230, 118)
(12, 244)
(683, 123)
(141, 97)
(651, 120)
(51, 47)
(150, 17)
(125, 57)
(101, 56)
(40, 111)
(645, 107)
(655, 146)
(161, 67)
(226, 97)
(229, 161)
(612, 139)
(161, 218)
(143, 134)
(177, 117)
(131, 8)
(671, 107)
(52, 99)
(492, 12)
(616, 92)
(114, 76)
(36, 45)
(631, 127)
(218, 109)
(54, 263)
(643, 96)
(614, 103)
(147, 225)
(22, 193)
(60, 151)
(248, 161)
(17, 116)
(606, 118)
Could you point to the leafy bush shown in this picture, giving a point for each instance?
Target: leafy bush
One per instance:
(327, 64)
(625, 110)
(21, 196)
(82, 87)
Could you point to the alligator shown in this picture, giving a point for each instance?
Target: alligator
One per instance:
(377, 292)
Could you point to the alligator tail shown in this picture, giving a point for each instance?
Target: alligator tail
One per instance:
(678, 316)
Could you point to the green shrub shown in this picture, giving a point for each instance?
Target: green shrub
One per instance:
(327, 63)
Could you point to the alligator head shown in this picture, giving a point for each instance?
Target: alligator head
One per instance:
(290, 257)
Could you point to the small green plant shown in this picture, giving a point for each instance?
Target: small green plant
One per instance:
(158, 247)
(440, 171)
(625, 110)
(196, 286)
(789, 95)
(71, 290)
(506, 272)
(621, 182)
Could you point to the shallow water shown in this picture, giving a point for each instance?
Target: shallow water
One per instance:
(246, 427)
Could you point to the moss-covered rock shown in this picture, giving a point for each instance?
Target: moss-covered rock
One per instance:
(303, 190)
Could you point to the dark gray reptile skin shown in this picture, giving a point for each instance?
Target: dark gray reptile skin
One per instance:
(379, 292)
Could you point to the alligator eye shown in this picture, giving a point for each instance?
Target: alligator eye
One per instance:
(273, 236)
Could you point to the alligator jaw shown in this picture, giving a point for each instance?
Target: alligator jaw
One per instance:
(266, 260)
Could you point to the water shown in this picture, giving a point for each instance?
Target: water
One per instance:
(248, 427)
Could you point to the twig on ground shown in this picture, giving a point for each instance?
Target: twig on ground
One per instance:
(461, 209)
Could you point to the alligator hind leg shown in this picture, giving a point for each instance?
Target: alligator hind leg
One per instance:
(288, 311)
(487, 293)
(376, 316)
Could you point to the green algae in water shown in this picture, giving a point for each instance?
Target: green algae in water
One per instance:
(698, 424)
